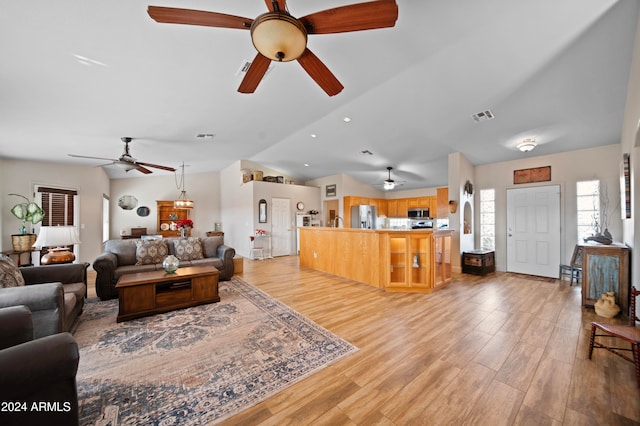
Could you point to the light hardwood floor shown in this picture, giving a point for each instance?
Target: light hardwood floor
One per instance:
(493, 350)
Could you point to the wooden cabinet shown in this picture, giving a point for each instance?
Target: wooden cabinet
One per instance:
(392, 208)
(442, 203)
(605, 268)
(403, 207)
(442, 259)
(411, 262)
(168, 215)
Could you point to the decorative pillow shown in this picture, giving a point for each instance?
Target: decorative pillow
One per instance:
(188, 248)
(150, 252)
(10, 275)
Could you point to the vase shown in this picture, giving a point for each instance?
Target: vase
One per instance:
(170, 264)
(606, 306)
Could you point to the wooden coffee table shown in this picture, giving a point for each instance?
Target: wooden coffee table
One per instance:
(147, 293)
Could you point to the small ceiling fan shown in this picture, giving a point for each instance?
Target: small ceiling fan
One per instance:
(389, 183)
(127, 162)
(278, 36)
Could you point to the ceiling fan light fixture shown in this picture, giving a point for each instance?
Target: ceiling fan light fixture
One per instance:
(389, 185)
(124, 165)
(279, 36)
(527, 145)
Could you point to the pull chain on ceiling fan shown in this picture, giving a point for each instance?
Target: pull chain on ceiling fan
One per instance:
(278, 36)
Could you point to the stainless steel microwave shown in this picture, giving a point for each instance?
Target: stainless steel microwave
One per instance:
(418, 213)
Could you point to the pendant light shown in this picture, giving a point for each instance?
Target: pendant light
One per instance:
(183, 202)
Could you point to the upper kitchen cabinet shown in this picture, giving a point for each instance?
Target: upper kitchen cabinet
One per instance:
(442, 203)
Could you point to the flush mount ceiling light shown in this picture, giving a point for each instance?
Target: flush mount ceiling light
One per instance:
(527, 145)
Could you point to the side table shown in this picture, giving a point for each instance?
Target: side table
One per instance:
(479, 262)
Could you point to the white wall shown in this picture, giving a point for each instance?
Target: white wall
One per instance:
(202, 188)
(240, 204)
(19, 177)
(630, 143)
(566, 169)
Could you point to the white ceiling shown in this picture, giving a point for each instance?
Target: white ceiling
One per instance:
(553, 70)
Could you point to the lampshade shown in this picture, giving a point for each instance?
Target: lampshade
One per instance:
(57, 236)
(54, 236)
(183, 202)
(278, 36)
(527, 145)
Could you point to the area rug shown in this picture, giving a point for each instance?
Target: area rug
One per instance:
(532, 277)
(199, 365)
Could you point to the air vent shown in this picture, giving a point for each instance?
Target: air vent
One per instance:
(483, 116)
(205, 135)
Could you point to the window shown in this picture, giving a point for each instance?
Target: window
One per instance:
(58, 206)
(588, 208)
(105, 218)
(488, 219)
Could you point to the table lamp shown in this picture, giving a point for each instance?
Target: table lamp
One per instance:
(58, 237)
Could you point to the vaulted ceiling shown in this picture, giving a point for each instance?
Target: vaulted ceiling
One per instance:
(76, 76)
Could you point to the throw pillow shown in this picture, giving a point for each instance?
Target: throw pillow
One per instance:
(188, 248)
(150, 252)
(10, 275)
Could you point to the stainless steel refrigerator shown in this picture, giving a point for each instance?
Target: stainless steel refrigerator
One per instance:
(364, 217)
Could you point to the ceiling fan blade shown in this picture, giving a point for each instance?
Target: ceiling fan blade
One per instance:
(355, 17)
(320, 73)
(254, 74)
(282, 5)
(171, 15)
(93, 158)
(156, 166)
(142, 169)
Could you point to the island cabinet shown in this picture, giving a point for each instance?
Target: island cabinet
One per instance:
(395, 260)
(409, 267)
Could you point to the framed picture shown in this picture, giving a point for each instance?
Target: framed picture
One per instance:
(330, 190)
(536, 174)
(625, 187)
(262, 211)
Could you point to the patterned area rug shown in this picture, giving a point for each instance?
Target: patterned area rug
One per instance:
(198, 365)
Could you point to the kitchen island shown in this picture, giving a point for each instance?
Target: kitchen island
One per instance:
(395, 260)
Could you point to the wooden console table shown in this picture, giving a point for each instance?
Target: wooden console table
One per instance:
(147, 293)
(605, 268)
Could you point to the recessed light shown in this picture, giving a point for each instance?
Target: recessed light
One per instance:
(313, 135)
(306, 164)
(346, 119)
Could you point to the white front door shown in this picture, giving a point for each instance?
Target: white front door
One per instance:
(533, 230)
(281, 235)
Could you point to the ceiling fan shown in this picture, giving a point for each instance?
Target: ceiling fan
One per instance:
(126, 162)
(278, 36)
(389, 183)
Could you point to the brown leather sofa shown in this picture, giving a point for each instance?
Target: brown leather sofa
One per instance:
(119, 258)
(33, 372)
(55, 294)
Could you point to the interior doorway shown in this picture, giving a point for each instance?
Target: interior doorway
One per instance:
(281, 227)
(330, 212)
(533, 230)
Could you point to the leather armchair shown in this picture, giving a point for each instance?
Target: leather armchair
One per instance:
(37, 377)
(55, 294)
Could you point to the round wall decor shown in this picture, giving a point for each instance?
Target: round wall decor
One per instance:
(300, 205)
(143, 211)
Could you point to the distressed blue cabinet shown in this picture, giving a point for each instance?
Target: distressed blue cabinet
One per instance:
(605, 268)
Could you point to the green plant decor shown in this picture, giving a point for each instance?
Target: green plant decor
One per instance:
(27, 212)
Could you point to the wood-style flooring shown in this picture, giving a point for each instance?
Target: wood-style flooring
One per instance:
(493, 350)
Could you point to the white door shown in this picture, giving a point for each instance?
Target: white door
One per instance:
(533, 230)
(281, 227)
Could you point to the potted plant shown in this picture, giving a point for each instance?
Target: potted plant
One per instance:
(27, 212)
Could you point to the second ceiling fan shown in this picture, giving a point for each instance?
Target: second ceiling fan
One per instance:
(278, 36)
